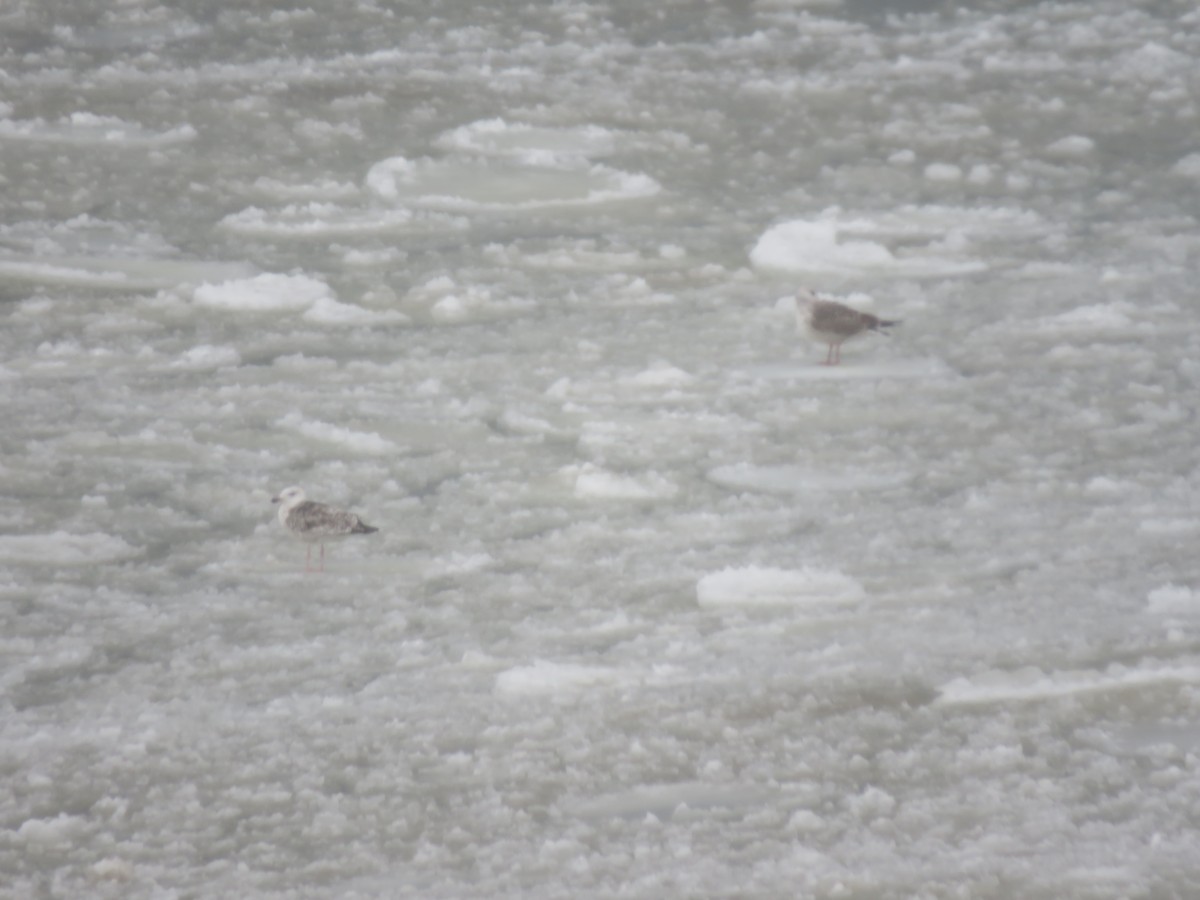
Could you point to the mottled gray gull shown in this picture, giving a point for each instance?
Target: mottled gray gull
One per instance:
(314, 523)
(834, 323)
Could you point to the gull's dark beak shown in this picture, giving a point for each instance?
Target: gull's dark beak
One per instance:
(274, 499)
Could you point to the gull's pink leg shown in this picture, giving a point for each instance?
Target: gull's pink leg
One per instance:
(829, 356)
(322, 569)
(308, 557)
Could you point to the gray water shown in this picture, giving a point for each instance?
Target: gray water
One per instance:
(659, 606)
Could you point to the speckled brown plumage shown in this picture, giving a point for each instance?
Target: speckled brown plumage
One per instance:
(834, 323)
(314, 522)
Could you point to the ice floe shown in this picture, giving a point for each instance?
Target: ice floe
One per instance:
(756, 586)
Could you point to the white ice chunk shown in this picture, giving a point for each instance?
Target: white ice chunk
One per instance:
(1099, 317)
(820, 247)
(545, 678)
(1074, 147)
(88, 128)
(1152, 62)
(661, 800)
(112, 869)
(850, 370)
(980, 174)
(459, 563)
(661, 374)
(206, 356)
(531, 144)
(365, 442)
(264, 293)
(1169, 527)
(499, 185)
(799, 480)
(321, 189)
(945, 172)
(593, 483)
(113, 272)
(62, 829)
(755, 586)
(328, 311)
(802, 246)
(317, 219)
(1032, 684)
(585, 255)
(805, 820)
(872, 803)
(1173, 599)
(62, 549)
(272, 292)
(1188, 166)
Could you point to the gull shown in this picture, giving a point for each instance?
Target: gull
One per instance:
(314, 522)
(834, 323)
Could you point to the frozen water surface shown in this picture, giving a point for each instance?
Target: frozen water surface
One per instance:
(659, 606)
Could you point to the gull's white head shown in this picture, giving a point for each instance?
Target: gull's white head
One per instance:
(805, 298)
(803, 306)
(289, 497)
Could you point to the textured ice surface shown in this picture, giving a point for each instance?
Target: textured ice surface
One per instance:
(659, 605)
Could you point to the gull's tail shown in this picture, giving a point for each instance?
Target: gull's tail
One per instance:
(882, 325)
